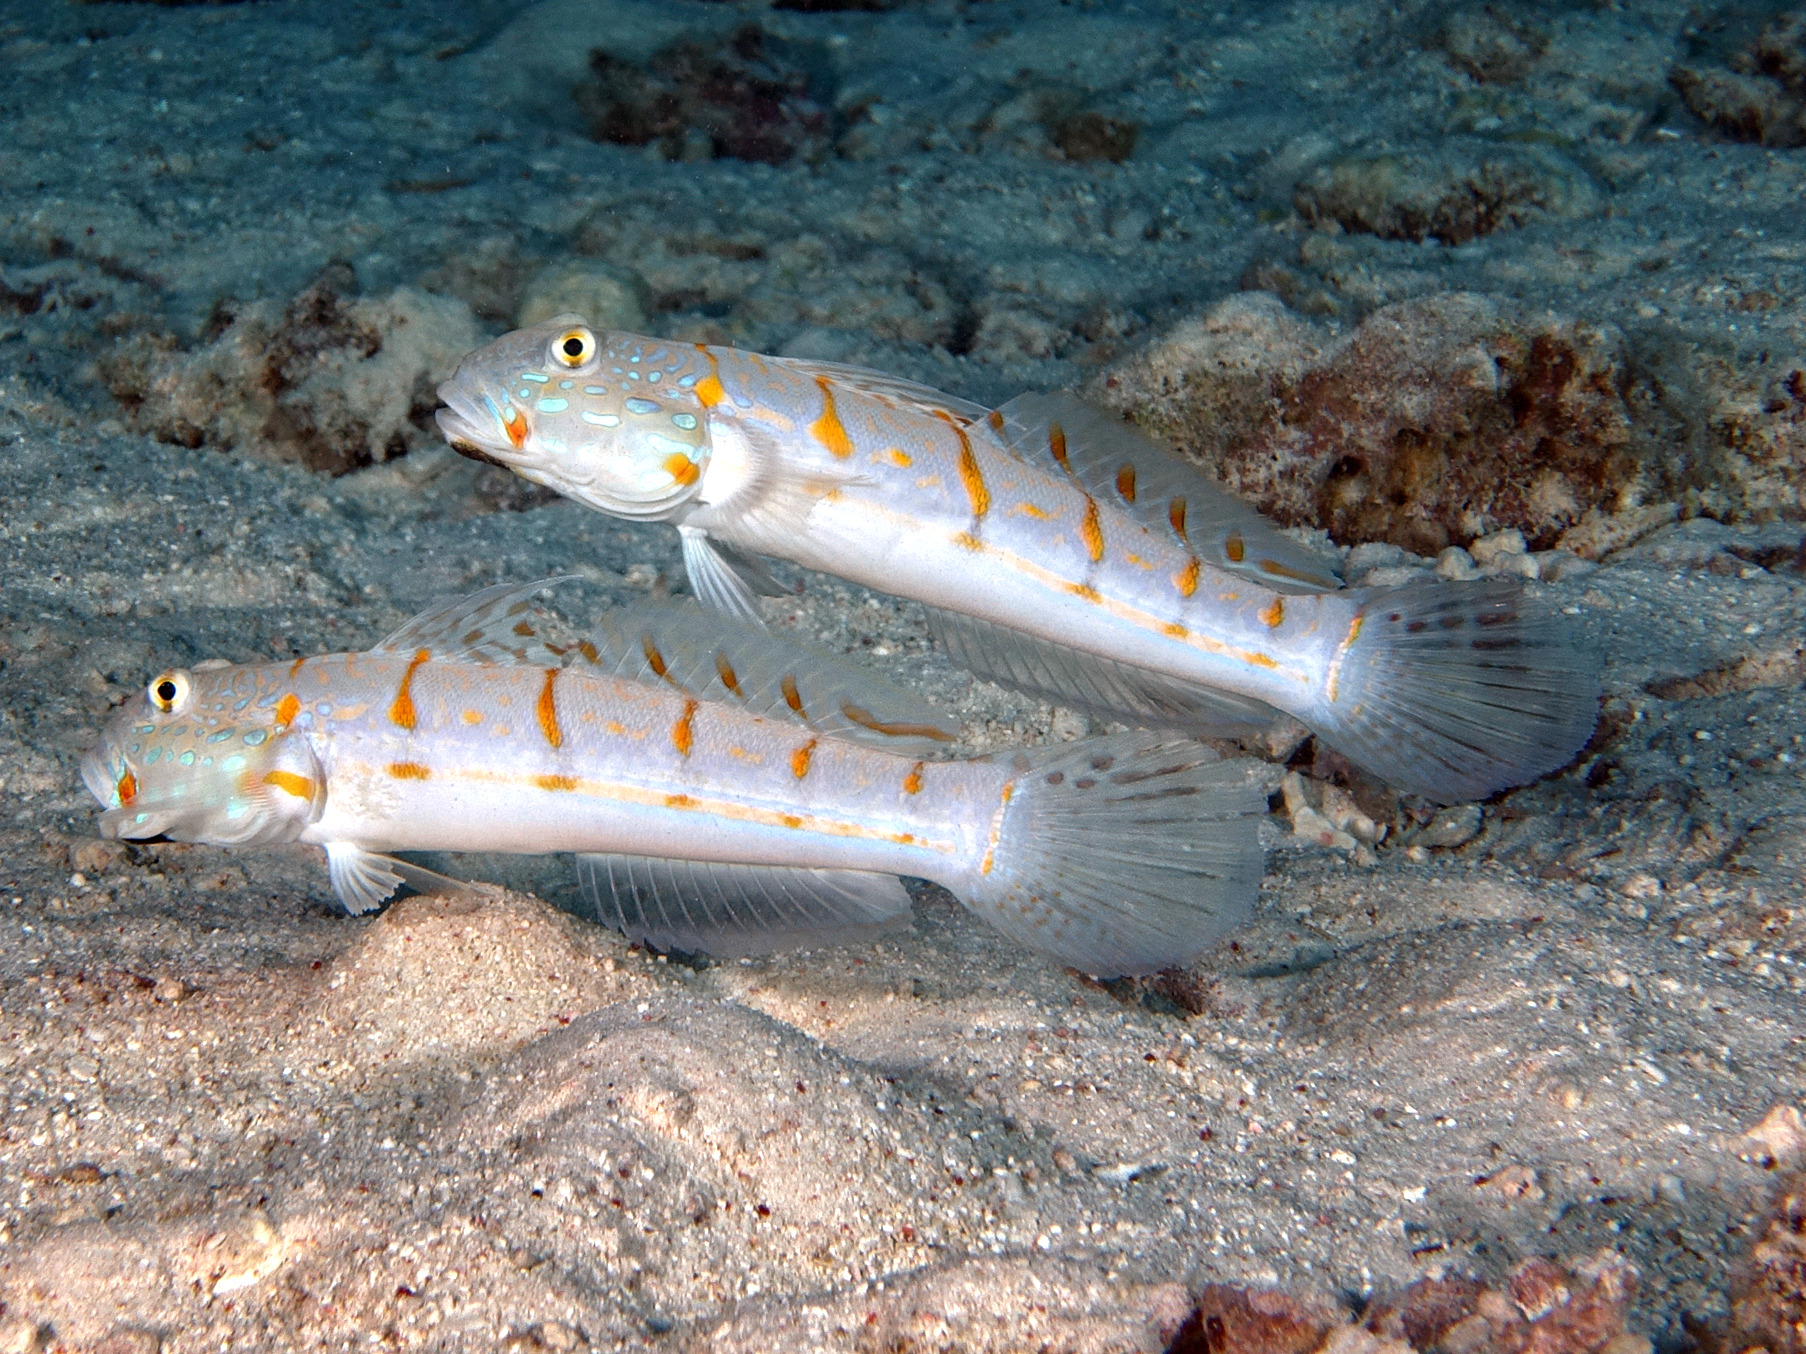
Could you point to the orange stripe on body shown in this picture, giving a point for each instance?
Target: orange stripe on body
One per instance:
(799, 760)
(1273, 615)
(978, 494)
(912, 783)
(410, 771)
(683, 734)
(1186, 580)
(401, 710)
(1009, 789)
(547, 709)
(828, 429)
(708, 389)
(1092, 530)
(565, 783)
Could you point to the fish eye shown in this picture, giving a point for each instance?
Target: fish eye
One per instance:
(168, 691)
(574, 347)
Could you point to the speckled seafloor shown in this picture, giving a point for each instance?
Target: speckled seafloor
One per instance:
(232, 1116)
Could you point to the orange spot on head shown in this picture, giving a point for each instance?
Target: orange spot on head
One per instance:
(126, 789)
(547, 710)
(683, 734)
(977, 494)
(556, 783)
(301, 787)
(1092, 530)
(514, 423)
(1125, 482)
(401, 709)
(708, 389)
(1186, 580)
(725, 670)
(792, 697)
(1175, 516)
(682, 469)
(287, 708)
(828, 429)
(473, 716)
(912, 783)
(1275, 614)
(800, 759)
(410, 771)
(1234, 547)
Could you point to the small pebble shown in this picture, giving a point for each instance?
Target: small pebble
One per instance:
(1456, 565)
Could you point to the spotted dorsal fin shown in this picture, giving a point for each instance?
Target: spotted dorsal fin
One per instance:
(495, 628)
(1117, 464)
(708, 657)
(889, 389)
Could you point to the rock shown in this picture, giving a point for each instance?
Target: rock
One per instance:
(1454, 826)
(1760, 93)
(1778, 1140)
(1460, 190)
(1456, 565)
(744, 96)
(332, 380)
(1492, 46)
(1768, 1291)
(609, 298)
(1433, 422)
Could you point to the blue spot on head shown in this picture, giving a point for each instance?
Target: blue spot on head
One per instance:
(687, 381)
(684, 421)
(553, 405)
(534, 376)
(133, 749)
(154, 756)
(526, 394)
(221, 736)
(638, 406)
(323, 708)
(187, 758)
(241, 704)
(595, 390)
(255, 736)
(566, 385)
(654, 375)
(268, 701)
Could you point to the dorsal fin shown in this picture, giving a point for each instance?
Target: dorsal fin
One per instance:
(1117, 464)
(711, 658)
(893, 389)
(493, 627)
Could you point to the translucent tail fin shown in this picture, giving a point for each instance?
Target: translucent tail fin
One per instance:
(1126, 854)
(1457, 690)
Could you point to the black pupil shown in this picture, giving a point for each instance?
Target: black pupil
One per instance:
(573, 346)
(166, 692)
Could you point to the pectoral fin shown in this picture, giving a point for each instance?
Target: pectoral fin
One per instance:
(365, 880)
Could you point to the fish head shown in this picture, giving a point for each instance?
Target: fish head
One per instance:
(206, 755)
(613, 420)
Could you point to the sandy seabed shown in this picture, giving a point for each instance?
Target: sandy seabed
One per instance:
(1540, 1058)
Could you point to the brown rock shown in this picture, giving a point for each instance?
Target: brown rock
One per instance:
(1768, 1291)
(1255, 1321)
(1435, 421)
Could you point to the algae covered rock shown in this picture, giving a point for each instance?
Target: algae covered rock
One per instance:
(330, 379)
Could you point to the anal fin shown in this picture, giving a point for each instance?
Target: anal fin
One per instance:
(1089, 682)
(731, 910)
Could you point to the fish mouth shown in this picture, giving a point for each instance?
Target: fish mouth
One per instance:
(463, 422)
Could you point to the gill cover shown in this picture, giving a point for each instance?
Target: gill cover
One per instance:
(611, 419)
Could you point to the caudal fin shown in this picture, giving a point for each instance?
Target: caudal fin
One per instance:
(1457, 690)
(1126, 854)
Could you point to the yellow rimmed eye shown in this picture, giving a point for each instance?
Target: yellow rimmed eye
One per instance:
(574, 347)
(168, 692)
